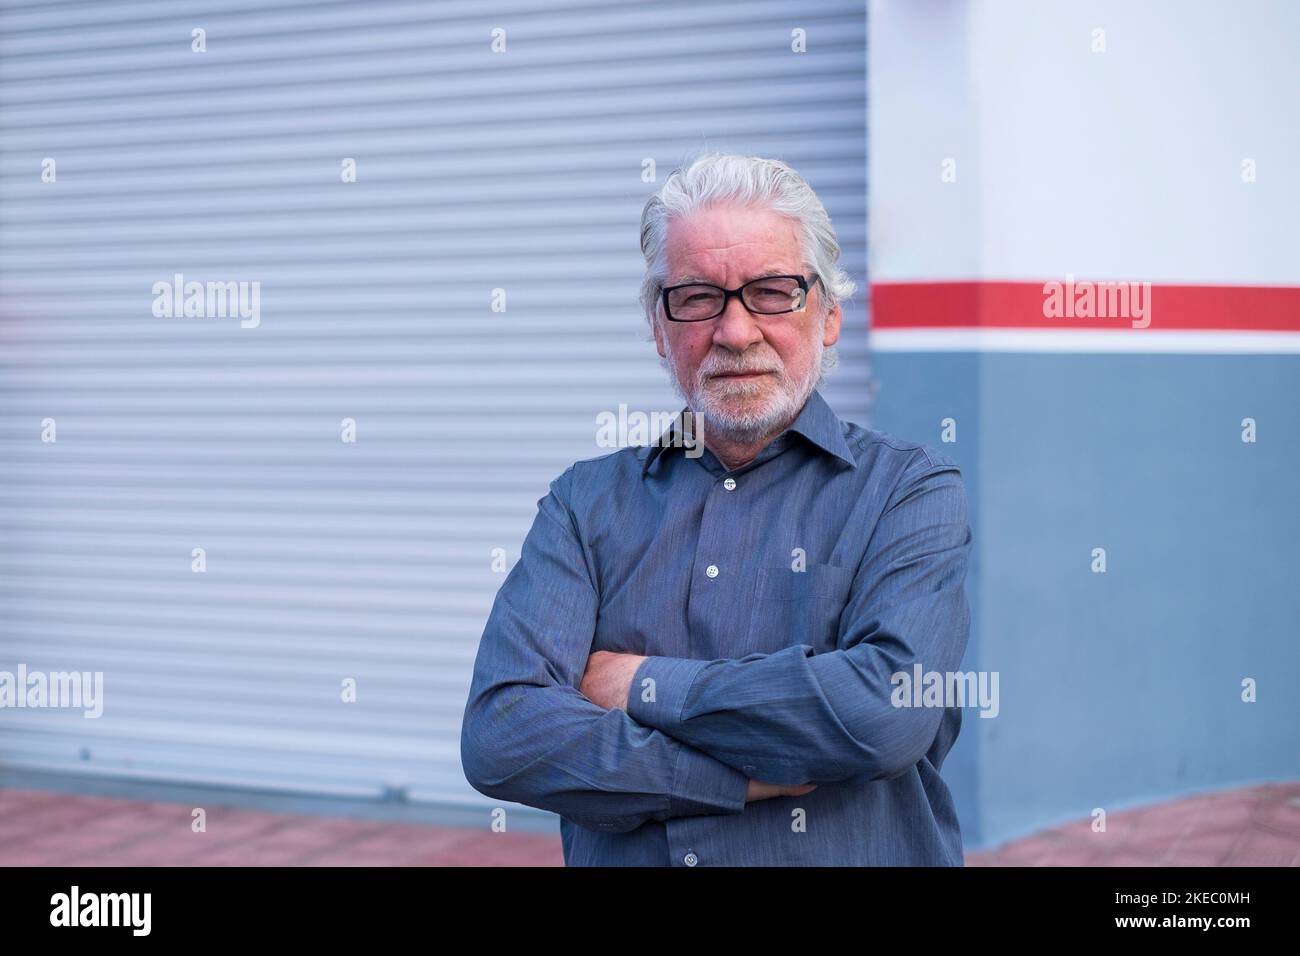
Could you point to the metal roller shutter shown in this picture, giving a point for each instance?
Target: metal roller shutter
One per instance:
(329, 560)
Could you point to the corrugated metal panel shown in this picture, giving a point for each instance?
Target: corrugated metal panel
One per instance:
(326, 560)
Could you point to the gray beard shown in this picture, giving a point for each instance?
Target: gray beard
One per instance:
(746, 427)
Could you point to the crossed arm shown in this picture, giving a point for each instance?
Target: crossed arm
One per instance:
(530, 736)
(612, 740)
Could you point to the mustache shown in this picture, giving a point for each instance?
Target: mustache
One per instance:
(724, 364)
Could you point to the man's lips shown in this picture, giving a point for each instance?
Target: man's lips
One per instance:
(739, 375)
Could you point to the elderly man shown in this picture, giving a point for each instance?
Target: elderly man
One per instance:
(692, 661)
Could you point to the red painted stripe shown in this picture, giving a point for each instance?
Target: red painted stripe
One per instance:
(1020, 305)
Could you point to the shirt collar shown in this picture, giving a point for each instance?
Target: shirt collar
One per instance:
(816, 422)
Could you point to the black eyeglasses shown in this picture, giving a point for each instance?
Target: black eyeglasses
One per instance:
(766, 295)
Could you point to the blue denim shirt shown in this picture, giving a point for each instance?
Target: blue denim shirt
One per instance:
(775, 602)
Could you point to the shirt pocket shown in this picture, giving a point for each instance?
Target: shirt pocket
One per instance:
(797, 607)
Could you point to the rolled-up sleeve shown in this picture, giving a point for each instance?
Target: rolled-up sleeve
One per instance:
(530, 736)
(794, 716)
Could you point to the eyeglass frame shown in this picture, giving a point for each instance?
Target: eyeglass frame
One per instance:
(804, 286)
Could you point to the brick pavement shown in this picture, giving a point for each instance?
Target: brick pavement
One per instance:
(1245, 827)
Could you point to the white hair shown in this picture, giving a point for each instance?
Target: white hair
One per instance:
(750, 180)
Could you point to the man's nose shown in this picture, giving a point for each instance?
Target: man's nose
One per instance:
(736, 328)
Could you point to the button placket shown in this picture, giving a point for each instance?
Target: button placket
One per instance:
(713, 576)
(729, 484)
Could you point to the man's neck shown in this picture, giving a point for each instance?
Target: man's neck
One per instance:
(737, 452)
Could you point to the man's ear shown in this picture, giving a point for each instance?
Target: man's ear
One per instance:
(659, 334)
(831, 329)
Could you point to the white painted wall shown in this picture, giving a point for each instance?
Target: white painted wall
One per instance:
(1123, 164)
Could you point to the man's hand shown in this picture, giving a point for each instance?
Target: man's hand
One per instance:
(758, 790)
(608, 678)
(607, 681)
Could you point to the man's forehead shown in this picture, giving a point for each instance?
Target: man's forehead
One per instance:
(713, 240)
(700, 272)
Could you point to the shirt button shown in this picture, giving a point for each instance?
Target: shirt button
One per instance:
(730, 484)
(690, 859)
(711, 570)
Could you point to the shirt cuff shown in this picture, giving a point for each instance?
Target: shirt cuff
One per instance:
(672, 677)
(704, 785)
